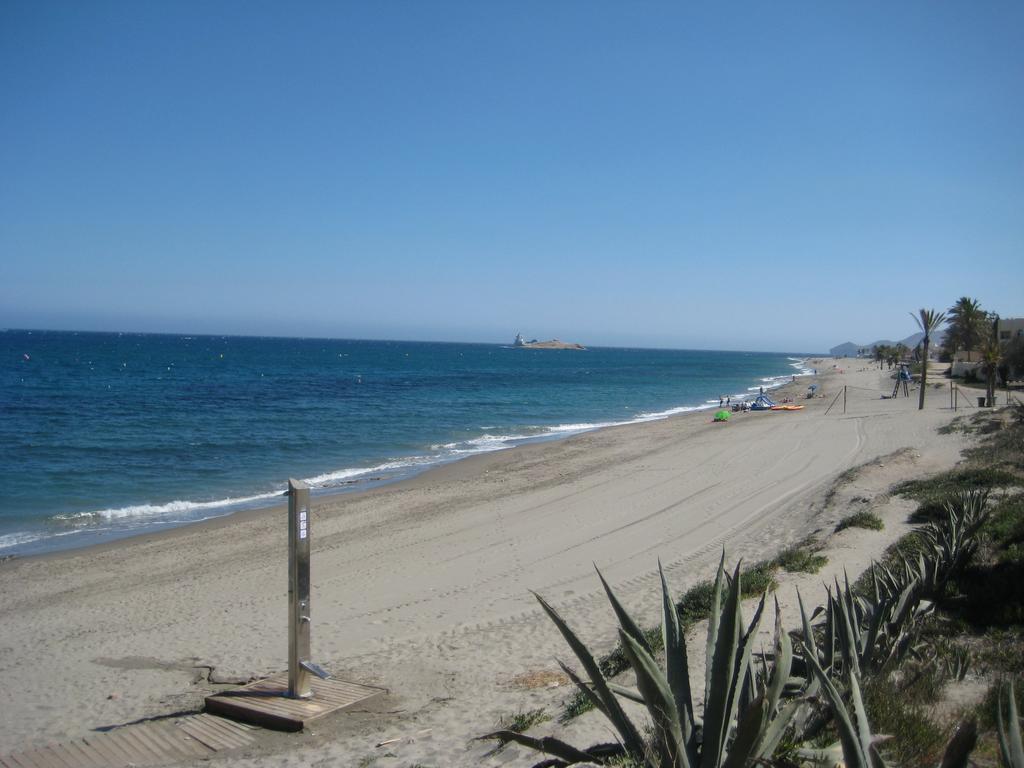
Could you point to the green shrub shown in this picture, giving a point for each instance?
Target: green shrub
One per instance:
(576, 705)
(933, 492)
(863, 519)
(1002, 451)
(990, 595)
(916, 739)
(1006, 526)
(695, 604)
(759, 578)
(801, 559)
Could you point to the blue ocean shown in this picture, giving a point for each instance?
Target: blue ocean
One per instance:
(104, 435)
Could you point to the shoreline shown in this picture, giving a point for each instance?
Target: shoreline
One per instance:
(466, 466)
(423, 587)
(254, 504)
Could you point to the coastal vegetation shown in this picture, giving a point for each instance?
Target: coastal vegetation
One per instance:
(802, 558)
(890, 354)
(897, 652)
(967, 326)
(976, 332)
(928, 320)
(862, 519)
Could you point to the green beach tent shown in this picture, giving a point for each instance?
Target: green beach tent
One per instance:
(722, 416)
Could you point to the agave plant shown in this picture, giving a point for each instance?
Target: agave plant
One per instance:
(865, 635)
(1010, 746)
(951, 542)
(858, 746)
(745, 712)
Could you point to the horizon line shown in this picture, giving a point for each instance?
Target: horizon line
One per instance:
(388, 340)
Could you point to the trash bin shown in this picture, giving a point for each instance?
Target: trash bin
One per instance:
(981, 402)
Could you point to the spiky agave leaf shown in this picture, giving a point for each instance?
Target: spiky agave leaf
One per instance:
(1010, 745)
(631, 694)
(625, 620)
(853, 753)
(875, 621)
(808, 630)
(774, 727)
(863, 728)
(961, 745)
(721, 685)
(713, 621)
(660, 702)
(611, 707)
(677, 668)
(748, 732)
(586, 690)
(742, 677)
(829, 638)
(546, 744)
(847, 630)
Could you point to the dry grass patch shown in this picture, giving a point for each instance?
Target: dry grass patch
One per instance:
(539, 678)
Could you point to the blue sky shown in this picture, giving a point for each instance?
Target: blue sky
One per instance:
(771, 176)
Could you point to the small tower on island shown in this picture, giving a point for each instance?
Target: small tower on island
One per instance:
(519, 341)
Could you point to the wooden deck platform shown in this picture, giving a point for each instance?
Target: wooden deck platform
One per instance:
(264, 702)
(180, 739)
(156, 742)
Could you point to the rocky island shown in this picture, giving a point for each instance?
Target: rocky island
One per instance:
(552, 344)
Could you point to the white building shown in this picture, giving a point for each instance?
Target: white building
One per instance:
(964, 361)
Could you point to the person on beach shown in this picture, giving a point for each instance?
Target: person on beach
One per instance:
(720, 400)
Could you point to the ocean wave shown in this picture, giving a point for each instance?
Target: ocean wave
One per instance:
(347, 476)
(19, 539)
(801, 365)
(176, 507)
(656, 415)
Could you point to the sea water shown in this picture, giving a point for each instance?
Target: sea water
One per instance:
(103, 435)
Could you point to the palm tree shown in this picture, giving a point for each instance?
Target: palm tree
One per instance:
(991, 357)
(927, 320)
(967, 326)
(892, 356)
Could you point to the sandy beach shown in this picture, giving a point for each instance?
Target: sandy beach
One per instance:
(423, 587)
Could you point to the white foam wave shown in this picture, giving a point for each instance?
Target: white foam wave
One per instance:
(801, 365)
(177, 507)
(583, 426)
(20, 539)
(348, 475)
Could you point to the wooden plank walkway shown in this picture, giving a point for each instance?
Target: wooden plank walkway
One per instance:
(264, 702)
(172, 740)
(156, 742)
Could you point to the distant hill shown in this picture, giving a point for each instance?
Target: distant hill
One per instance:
(849, 349)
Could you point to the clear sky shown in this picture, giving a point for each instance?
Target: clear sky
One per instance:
(769, 176)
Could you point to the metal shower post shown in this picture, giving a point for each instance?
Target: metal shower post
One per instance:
(299, 613)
